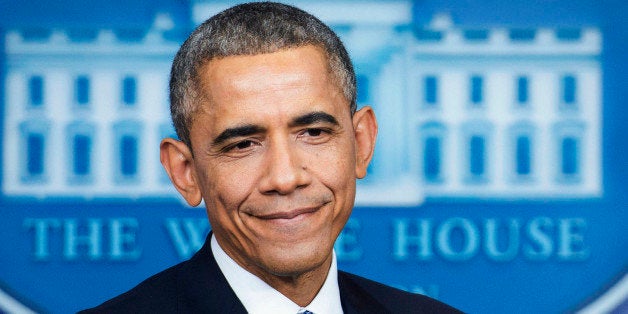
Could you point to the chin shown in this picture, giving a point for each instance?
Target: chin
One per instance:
(291, 262)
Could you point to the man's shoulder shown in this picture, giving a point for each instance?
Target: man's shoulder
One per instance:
(155, 294)
(391, 299)
(193, 286)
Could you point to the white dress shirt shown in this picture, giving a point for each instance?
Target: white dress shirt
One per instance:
(260, 298)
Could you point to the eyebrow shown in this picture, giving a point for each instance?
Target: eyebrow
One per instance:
(313, 117)
(239, 131)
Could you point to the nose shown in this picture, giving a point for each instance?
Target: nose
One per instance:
(284, 170)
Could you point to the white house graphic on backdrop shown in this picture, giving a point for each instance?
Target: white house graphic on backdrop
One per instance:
(491, 113)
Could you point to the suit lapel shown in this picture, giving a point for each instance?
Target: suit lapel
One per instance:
(355, 299)
(203, 288)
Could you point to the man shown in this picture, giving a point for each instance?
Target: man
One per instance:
(263, 101)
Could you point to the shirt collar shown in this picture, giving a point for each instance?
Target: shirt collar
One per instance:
(260, 298)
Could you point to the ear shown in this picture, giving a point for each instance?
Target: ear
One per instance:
(176, 158)
(365, 128)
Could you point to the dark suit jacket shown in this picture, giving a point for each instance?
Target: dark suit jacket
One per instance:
(198, 286)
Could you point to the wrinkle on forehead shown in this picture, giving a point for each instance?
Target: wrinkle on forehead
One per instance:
(246, 81)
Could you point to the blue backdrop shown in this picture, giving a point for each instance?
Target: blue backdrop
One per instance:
(481, 247)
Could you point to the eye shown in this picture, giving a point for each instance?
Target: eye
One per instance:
(315, 135)
(242, 145)
(314, 132)
(237, 147)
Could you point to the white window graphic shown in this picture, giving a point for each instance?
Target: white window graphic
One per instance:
(476, 90)
(430, 90)
(569, 152)
(81, 152)
(36, 91)
(129, 91)
(82, 90)
(35, 153)
(569, 89)
(522, 91)
(522, 164)
(433, 134)
(476, 138)
(127, 151)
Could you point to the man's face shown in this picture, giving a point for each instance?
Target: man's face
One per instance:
(275, 158)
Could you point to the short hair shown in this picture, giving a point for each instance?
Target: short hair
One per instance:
(251, 29)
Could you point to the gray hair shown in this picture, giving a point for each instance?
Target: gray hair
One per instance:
(250, 29)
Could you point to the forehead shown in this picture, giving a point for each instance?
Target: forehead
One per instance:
(286, 80)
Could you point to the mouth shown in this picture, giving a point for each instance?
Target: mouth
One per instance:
(290, 214)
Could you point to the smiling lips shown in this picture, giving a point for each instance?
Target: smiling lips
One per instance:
(289, 214)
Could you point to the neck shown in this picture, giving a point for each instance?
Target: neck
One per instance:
(298, 282)
(301, 288)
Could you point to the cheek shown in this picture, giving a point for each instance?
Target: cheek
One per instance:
(337, 166)
(336, 171)
(227, 186)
